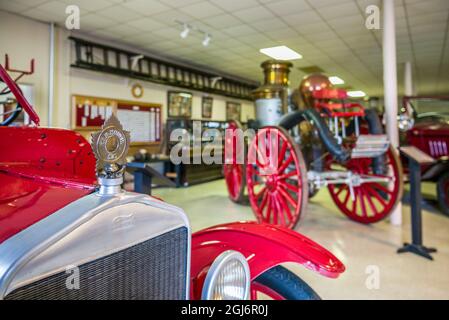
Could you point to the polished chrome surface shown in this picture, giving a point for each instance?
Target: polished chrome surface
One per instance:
(86, 229)
(269, 111)
(110, 187)
(219, 267)
(370, 146)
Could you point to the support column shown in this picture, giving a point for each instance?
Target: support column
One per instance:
(408, 80)
(51, 75)
(390, 86)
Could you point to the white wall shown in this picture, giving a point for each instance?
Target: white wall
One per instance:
(30, 39)
(84, 82)
(23, 39)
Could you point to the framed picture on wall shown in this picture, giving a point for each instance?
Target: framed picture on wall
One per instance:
(233, 110)
(206, 107)
(179, 104)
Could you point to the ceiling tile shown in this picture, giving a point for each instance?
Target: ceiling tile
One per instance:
(342, 9)
(89, 5)
(222, 21)
(240, 30)
(286, 7)
(201, 10)
(92, 21)
(146, 24)
(253, 14)
(119, 13)
(11, 6)
(234, 5)
(269, 24)
(145, 7)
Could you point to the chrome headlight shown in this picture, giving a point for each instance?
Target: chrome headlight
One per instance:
(228, 278)
(405, 123)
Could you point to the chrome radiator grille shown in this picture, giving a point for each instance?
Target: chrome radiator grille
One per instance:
(154, 269)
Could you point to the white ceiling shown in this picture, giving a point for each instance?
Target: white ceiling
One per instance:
(330, 34)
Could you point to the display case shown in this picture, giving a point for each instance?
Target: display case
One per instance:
(197, 171)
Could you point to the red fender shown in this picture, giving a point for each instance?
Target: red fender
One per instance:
(264, 247)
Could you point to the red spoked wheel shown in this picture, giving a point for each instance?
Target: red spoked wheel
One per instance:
(276, 178)
(234, 172)
(372, 201)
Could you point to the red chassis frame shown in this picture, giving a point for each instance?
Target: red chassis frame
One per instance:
(45, 169)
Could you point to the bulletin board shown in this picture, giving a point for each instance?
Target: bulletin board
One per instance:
(142, 120)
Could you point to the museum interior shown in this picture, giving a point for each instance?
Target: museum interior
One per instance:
(211, 149)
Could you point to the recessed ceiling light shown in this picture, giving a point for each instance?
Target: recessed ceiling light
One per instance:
(336, 80)
(281, 53)
(356, 94)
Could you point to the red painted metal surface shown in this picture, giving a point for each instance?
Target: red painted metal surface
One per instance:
(279, 197)
(325, 103)
(431, 138)
(18, 94)
(24, 201)
(264, 247)
(41, 171)
(49, 153)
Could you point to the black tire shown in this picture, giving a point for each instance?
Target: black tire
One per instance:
(443, 193)
(287, 284)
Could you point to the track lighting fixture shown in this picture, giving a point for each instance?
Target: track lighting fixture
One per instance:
(188, 28)
(206, 40)
(184, 33)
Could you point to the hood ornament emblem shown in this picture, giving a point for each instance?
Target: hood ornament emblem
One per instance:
(110, 146)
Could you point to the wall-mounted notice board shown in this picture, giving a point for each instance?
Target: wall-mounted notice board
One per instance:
(142, 120)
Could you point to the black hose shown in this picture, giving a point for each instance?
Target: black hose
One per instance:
(336, 150)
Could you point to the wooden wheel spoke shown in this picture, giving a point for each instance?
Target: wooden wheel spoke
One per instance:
(377, 199)
(269, 209)
(370, 202)
(346, 199)
(285, 164)
(278, 167)
(362, 202)
(340, 189)
(289, 186)
(286, 208)
(376, 195)
(279, 211)
(264, 201)
(354, 204)
(380, 187)
(261, 192)
(287, 175)
(283, 150)
(288, 197)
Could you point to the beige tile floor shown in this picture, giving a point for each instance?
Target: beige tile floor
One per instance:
(358, 246)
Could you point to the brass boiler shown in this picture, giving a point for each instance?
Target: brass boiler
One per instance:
(271, 99)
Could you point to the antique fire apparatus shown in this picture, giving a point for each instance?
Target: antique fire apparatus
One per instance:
(63, 212)
(323, 141)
